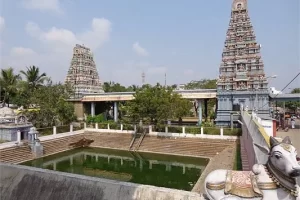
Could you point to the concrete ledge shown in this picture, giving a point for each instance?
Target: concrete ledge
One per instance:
(163, 134)
(109, 131)
(22, 182)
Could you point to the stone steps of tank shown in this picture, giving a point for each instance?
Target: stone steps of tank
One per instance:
(186, 146)
(21, 154)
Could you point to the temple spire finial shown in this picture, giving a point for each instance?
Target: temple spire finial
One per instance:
(239, 5)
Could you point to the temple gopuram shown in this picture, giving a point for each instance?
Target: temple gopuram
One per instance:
(83, 74)
(242, 80)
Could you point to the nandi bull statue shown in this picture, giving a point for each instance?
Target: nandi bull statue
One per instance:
(276, 180)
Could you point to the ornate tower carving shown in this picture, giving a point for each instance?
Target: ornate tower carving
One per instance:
(242, 67)
(242, 78)
(82, 73)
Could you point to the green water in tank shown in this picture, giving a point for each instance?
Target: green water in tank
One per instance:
(143, 168)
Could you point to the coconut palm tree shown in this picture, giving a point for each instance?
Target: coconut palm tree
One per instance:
(33, 77)
(8, 82)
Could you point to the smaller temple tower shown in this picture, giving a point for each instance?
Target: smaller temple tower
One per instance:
(83, 74)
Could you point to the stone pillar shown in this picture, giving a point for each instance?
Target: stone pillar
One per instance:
(97, 127)
(202, 132)
(121, 161)
(84, 125)
(115, 111)
(108, 127)
(93, 109)
(71, 128)
(54, 166)
(18, 136)
(183, 129)
(200, 112)
(231, 120)
(221, 131)
(183, 169)
(150, 129)
(205, 109)
(121, 127)
(54, 130)
(166, 129)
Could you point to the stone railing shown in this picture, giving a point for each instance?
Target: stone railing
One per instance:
(204, 132)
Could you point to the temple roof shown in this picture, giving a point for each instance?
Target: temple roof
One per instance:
(6, 112)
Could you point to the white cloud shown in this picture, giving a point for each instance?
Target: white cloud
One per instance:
(43, 5)
(2, 24)
(22, 51)
(60, 39)
(55, 47)
(139, 50)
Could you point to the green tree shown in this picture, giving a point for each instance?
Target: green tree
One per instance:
(156, 105)
(295, 91)
(202, 84)
(293, 105)
(114, 87)
(33, 77)
(8, 83)
(53, 109)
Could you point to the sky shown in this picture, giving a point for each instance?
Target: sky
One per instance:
(182, 39)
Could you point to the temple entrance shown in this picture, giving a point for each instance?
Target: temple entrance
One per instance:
(22, 135)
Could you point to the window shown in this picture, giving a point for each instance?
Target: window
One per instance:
(239, 6)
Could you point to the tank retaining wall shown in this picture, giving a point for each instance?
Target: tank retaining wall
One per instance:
(23, 182)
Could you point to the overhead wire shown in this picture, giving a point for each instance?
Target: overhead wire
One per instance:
(281, 90)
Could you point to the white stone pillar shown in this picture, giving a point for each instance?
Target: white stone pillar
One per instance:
(71, 128)
(93, 109)
(221, 131)
(183, 129)
(54, 166)
(150, 129)
(202, 132)
(108, 127)
(121, 127)
(200, 111)
(134, 128)
(115, 111)
(166, 129)
(54, 130)
(18, 136)
(97, 127)
(84, 125)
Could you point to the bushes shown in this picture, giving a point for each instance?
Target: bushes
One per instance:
(232, 132)
(96, 119)
(174, 129)
(193, 130)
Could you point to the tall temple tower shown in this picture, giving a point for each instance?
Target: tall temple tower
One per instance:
(242, 80)
(82, 73)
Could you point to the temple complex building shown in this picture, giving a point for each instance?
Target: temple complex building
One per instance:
(83, 74)
(11, 124)
(242, 80)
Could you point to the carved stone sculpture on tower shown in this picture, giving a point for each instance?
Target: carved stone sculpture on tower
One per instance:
(83, 74)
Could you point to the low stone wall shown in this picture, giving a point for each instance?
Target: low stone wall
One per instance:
(164, 134)
(253, 132)
(22, 182)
